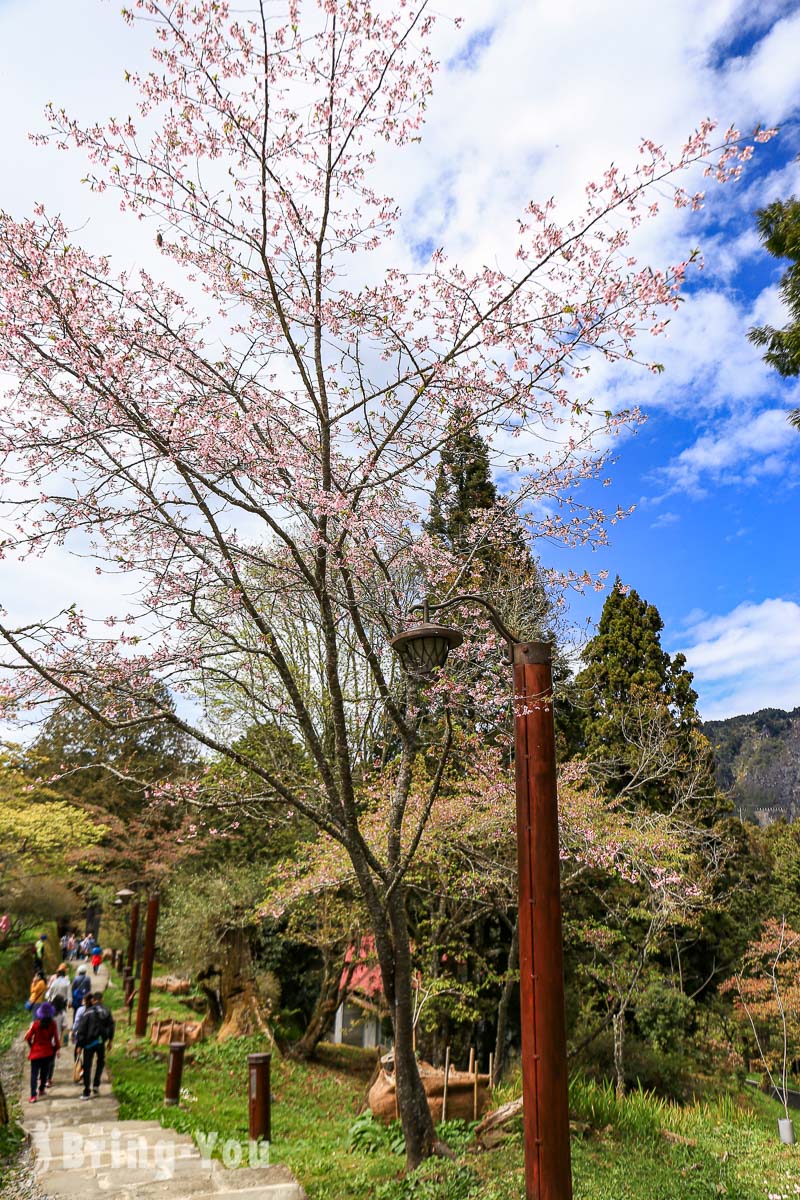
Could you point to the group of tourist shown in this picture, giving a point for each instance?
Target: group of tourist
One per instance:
(77, 948)
(92, 1027)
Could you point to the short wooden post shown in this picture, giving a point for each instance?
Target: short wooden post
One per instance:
(260, 1099)
(475, 1094)
(172, 1091)
(491, 1070)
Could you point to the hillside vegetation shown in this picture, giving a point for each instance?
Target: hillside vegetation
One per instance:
(758, 761)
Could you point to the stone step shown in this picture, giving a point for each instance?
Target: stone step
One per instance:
(158, 1156)
(183, 1175)
(107, 1136)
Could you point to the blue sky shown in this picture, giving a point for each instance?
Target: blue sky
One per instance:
(714, 472)
(534, 100)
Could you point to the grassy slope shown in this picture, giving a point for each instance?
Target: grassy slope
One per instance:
(641, 1149)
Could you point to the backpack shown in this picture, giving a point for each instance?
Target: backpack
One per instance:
(80, 986)
(95, 1026)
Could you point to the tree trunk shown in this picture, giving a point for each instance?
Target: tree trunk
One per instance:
(332, 989)
(619, 1051)
(238, 997)
(512, 978)
(412, 1102)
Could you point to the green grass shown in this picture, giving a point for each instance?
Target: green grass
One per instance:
(639, 1148)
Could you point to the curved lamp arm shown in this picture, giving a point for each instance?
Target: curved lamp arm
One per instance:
(469, 598)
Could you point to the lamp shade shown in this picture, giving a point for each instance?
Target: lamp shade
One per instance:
(124, 894)
(425, 647)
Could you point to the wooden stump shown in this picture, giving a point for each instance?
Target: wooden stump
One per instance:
(3, 1107)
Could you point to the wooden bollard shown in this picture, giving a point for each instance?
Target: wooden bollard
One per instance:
(172, 1091)
(260, 1099)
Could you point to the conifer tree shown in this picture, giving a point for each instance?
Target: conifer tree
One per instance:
(779, 228)
(638, 705)
(463, 486)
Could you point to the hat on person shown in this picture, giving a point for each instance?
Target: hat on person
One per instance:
(81, 969)
(45, 1010)
(63, 967)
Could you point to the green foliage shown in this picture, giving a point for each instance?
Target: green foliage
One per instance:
(200, 906)
(110, 769)
(779, 228)
(758, 760)
(638, 1148)
(367, 1136)
(463, 487)
(662, 1013)
(437, 1179)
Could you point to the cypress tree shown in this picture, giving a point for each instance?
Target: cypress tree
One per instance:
(779, 227)
(463, 486)
(628, 681)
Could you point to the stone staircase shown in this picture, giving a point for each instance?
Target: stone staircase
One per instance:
(82, 1150)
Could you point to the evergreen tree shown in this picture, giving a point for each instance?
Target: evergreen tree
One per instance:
(638, 704)
(779, 228)
(463, 487)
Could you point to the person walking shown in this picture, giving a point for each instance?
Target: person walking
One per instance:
(38, 988)
(58, 994)
(38, 949)
(81, 986)
(97, 958)
(94, 1036)
(42, 1037)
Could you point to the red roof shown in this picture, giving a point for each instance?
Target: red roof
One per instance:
(366, 974)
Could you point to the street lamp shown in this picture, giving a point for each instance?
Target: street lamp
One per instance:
(422, 648)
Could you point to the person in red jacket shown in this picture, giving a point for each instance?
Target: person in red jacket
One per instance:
(42, 1037)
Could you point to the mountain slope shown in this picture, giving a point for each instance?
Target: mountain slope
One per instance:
(758, 762)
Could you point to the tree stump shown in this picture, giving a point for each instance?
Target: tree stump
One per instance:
(3, 1107)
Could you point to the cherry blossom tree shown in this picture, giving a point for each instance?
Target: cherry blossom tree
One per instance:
(253, 449)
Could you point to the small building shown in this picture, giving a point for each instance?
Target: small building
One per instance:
(362, 1017)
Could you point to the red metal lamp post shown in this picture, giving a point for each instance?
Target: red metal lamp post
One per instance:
(422, 648)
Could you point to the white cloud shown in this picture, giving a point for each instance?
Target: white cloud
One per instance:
(664, 519)
(746, 659)
(742, 452)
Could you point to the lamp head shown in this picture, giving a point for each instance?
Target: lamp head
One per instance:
(425, 647)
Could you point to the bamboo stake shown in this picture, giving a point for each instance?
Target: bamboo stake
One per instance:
(491, 1070)
(475, 1095)
(446, 1075)
(471, 1060)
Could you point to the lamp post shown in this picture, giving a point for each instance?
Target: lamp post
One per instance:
(422, 648)
(124, 896)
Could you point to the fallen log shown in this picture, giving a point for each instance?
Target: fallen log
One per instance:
(493, 1129)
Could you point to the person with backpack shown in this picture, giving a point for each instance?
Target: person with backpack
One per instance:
(42, 1037)
(58, 994)
(81, 986)
(94, 1036)
(97, 958)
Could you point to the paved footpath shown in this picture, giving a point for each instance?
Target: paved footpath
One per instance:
(82, 1150)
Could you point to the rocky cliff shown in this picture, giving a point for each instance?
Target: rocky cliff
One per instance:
(758, 762)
